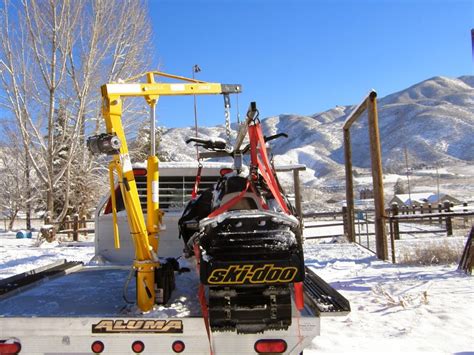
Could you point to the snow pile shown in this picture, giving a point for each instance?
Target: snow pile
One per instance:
(395, 309)
(20, 255)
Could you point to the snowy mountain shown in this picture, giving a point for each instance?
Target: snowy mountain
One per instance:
(433, 119)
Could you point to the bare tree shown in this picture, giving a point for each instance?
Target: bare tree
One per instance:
(14, 184)
(54, 55)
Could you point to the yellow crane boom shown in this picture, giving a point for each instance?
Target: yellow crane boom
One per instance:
(145, 235)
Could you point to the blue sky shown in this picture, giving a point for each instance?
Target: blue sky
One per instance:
(305, 57)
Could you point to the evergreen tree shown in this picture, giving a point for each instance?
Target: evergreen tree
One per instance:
(140, 146)
(399, 188)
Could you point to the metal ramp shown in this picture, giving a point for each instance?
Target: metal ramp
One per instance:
(14, 284)
(323, 299)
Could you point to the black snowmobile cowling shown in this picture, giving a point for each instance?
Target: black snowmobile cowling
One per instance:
(250, 247)
(248, 256)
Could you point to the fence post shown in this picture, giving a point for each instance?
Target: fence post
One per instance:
(68, 225)
(449, 224)
(465, 210)
(396, 229)
(414, 209)
(430, 211)
(345, 219)
(392, 237)
(377, 177)
(75, 233)
(440, 210)
(84, 225)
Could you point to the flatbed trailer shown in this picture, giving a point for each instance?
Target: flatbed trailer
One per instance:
(71, 313)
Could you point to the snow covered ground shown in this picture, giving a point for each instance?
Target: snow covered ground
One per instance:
(395, 308)
(20, 255)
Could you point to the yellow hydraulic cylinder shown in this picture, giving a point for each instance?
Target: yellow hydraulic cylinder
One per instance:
(153, 211)
(153, 206)
(145, 284)
(112, 167)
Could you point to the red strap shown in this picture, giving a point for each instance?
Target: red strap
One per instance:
(269, 170)
(230, 203)
(202, 298)
(196, 183)
(299, 296)
(205, 314)
(258, 149)
(262, 201)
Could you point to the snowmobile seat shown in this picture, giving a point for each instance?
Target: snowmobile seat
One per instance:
(233, 184)
(248, 201)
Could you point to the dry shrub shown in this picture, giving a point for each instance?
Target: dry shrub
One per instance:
(432, 253)
(405, 300)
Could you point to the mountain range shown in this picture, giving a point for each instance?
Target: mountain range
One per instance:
(432, 121)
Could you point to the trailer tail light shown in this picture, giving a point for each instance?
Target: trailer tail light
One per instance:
(9, 347)
(178, 346)
(97, 347)
(274, 346)
(138, 346)
(139, 172)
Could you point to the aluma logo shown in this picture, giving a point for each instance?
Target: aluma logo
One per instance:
(252, 274)
(138, 326)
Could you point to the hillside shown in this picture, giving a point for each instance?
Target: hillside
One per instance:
(433, 119)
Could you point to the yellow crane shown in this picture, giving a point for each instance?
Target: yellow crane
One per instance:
(145, 235)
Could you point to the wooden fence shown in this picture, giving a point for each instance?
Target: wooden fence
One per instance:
(71, 226)
(444, 216)
(442, 219)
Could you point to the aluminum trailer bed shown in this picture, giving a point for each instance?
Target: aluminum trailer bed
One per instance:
(66, 315)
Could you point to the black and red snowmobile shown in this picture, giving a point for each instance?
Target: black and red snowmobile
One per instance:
(246, 238)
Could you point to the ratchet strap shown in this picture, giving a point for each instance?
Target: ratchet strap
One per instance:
(230, 203)
(259, 159)
(197, 182)
(202, 298)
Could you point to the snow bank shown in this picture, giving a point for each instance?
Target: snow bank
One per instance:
(395, 309)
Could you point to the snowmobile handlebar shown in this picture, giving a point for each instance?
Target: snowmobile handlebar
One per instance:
(220, 145)
(215, 144)
(267, 139)
(275, 136)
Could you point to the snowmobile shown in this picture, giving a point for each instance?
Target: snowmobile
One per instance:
(246, 238)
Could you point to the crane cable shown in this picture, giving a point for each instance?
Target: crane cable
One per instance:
(227, 116)
(238, 111)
